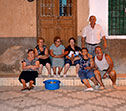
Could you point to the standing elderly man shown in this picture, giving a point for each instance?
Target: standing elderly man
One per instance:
(92, 35)
(104, 67)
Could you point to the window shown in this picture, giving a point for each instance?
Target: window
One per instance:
(65, 7)
(117, 17)
(48, 8)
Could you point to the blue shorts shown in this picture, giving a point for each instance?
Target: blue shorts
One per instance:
(68, 61)
(85, 74)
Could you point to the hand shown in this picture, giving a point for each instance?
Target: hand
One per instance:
(105, 76)
(40, 56)
(72, 62)
(87, 68)
(32, 67)
(67, 57)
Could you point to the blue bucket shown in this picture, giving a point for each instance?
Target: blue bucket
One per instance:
(52, 84)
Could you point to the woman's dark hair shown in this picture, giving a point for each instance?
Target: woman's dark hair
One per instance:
(40, 38)
(56, 38)
(72, 38)
(30, 50)
(84, 49)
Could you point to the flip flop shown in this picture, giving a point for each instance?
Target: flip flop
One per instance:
(32, 87)
(26, 88)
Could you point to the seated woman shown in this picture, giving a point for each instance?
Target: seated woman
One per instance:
(72, 56)
(86, 72)
(30, 66)
(41, 52)
(57, 53)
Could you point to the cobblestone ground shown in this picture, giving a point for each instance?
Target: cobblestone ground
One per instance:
(64, 99)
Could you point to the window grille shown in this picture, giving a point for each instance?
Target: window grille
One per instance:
(117, 17)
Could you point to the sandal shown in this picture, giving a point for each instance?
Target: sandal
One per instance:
(26, 88)
(31, 87)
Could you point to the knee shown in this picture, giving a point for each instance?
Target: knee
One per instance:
(47, 65)
(77, 65)
(22, 80)
(85, 81)
(96, 72)
(92, 78)
(113, 73)
(41, 65)
(31, 81)
(67, 65)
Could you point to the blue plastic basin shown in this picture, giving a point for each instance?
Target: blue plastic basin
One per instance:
(52, 84)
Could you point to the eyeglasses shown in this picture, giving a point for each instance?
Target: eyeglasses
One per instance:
(58, 41)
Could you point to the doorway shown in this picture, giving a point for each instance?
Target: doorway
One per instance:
(57, 18)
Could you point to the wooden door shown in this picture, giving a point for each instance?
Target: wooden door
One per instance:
(57, 18)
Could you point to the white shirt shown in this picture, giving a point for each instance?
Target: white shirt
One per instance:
(101, 64)
(93, 35)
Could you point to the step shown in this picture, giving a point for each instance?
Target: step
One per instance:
(68, 81)
(70, 72)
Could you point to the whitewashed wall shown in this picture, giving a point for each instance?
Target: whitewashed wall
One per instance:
(99, 8)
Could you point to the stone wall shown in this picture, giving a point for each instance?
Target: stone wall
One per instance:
(116, 49)
(13, 50)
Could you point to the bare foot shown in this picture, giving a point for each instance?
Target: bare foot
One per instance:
(114, 86)
(101, 87)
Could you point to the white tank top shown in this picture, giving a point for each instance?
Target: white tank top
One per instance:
(103, 64)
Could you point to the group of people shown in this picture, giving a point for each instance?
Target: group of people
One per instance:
(90, 62)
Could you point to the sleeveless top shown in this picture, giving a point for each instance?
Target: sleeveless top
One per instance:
(84, 63)
(41, 52)
(103, 64)
(28, 63)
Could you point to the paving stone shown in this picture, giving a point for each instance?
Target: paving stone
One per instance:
(64, 99)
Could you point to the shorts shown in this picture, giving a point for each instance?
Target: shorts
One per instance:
(45, 61)
(68, 61)
(83, 74)
(102, 73)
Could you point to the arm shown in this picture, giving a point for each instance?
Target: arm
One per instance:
(36, 54)
(25, 67)
(95, 66)
(105, 42)
(30, 66)
(46, 54)
(82, 42)
(57, 56)
(110, 62)
(51, 53)
(36, 66)
(91, 63)
(41, 56)
(61, 55)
